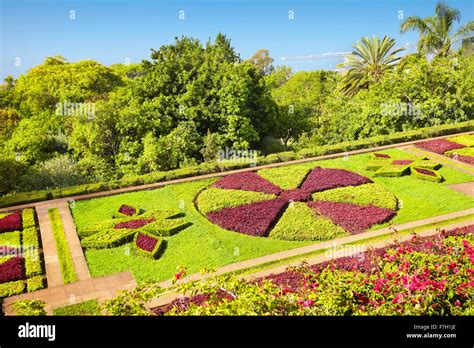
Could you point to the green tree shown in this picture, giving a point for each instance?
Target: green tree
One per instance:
(436, 32)
(262, 60)
(368, 62)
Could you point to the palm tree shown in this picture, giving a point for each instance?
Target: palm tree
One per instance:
(367, 63)
(436, 31)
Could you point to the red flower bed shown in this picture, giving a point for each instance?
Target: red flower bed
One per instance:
(248, 182)
(402, 162)
(439, 146)
(465, 159)
(145, 242)
(12, 270)
(134, 223)
(325, 179)
(11, 222)
(127, 210)
(425, 171)
(296, 195)
(381, 155)
(353, 218)
(253, 219)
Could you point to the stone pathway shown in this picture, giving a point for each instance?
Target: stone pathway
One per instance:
(348, 251)
(220, 174)
(467, 188)
(100, 288)
(50, 254)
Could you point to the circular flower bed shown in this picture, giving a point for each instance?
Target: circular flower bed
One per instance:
(326, 203)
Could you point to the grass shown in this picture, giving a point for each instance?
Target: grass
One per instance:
(66, 264)
(86, 308)
(205, 245)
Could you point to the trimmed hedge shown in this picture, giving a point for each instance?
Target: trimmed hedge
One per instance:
(11, 239)
(34, 283)
(12, 288)
(110, 238)
(32, 252)
(368, 194)
(299, 222)
(166, 228)
(215, 167)
(28, 217)
(213, 199)
(434, 177)
(287, 177)
(157, 250)
(86, 308)
(466, 140)
(392, 171)
(64, 255)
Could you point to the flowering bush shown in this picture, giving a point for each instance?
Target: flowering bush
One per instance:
(353, 218)
(423, 276)
(247, 181)
(439, 146)
(12, 269)
(253, 219)
(320, 179)
(11, 222)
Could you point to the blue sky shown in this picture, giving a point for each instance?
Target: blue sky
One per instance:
(117, 31)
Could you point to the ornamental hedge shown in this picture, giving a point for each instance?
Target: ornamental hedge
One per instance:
(215, 167)
(148, 245)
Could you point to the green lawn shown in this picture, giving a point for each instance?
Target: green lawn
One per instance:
(205, 245)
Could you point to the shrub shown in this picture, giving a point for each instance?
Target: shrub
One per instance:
(25, 198)
(321, 179)
(11, 222)
(64, 255)
(466, 140)
(299, 222)
(351, 217)
(426, 164)
(12, 269)
(246, 181)
(467, 151)
(29, 307)
(86, 308)
(110, 238)
(376, 164)
(392, 170)
(166, 227)
(253, 219)
(148, 245)
(10, 239)
(12, 288)
(35, 283)
(287, 177)
(426, 174)
(439, 146)
(368, 194)
(28, 217)
(213, 199)
(126, 210)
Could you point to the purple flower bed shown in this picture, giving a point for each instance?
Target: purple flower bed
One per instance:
(127, 210)
(425, 171)
(364, 262)
(12, 270)
(145, 242)
(465, 159)
(247, 181)
(439, 146)
(134, 223)
(381, 155)
(296, 195)
(402, 162)
(353, 218)
(11, 222)
(324, 179)
(253, 219)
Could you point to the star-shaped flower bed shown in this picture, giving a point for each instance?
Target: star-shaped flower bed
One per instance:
(126, 222)
(325, 204)
(421, 168)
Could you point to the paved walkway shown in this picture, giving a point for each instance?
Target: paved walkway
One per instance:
(467, 188)
(336, 243)
(100, 288)
(219, 174)
(347, 251)
(50, 254)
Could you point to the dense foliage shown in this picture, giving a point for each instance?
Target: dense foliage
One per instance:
(64, 124)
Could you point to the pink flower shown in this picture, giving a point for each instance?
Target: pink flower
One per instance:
(457, 303)
(308, 303)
